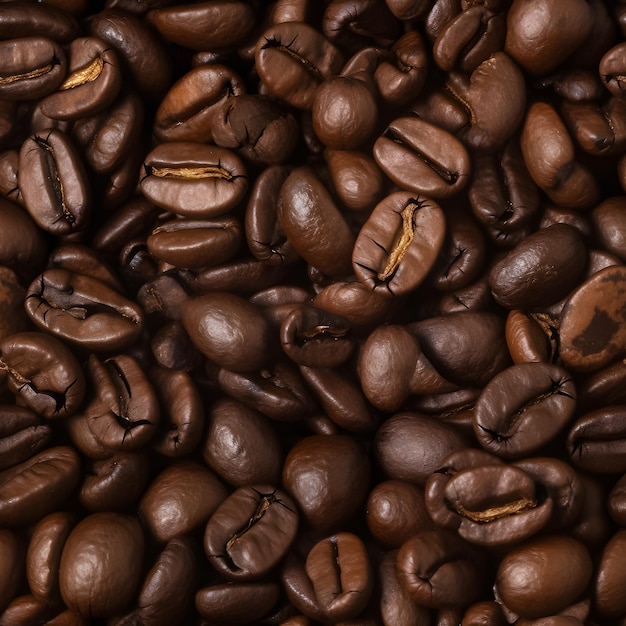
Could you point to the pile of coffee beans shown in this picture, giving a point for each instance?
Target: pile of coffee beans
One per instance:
(313, 312)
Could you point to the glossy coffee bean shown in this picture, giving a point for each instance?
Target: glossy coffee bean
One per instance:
(23, 19)
(250, 532)
(611, 69)
(609, 579)
(311, 474)
(11, 566)
(22, 434)
(101, 564)
(529, 580)
(399, 243)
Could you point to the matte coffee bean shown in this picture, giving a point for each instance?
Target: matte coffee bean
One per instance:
(11, 566)
(101, 564)
(180, 500)
(523, 408)
(32, 68)
(399, 243)
(529, 580)
(328, 477)
(422, 158)
(250, 532)
(54, 183)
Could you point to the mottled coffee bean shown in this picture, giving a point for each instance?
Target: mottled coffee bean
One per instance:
(340, 573)
(193, 180)
(395, 512)
(187, 111)
(250, 532)
(180, 500)
(399, 243)
(43, 556)
(523, 408)
(422, 158)
(23, 433)
(530, 579)
(328, 477)
(32, 67)
(38, 486)
(538, 40)
(590, 329)
(293, 60)
(402, 435)
(101, 564)
(439, 569)
(92, 82)
(44, 373)
(54, 183)
(241, 446)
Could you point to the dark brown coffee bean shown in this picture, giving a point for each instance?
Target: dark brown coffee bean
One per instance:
(187, 111)
(399, 438)
(116, 483)
(32, 68)
(529, 580)
(236, 603)
(22, 434)
(24, 19)
(608, 225)
(395, 512)
(83, 310)
(485, 613)
(11, 566)
(196, 243)
(610, 578)
(214, 25)
(399, 243)
(328, 477)
(293, 60)
(541, 49)
(250, 532)
(92, 82)
(43, 373)
(101, 564)
(241, 446)
(193, 180)
(340, 573)
(180, 500)
(611, 69)
(43, 556)
(38, 486)
(591, 326)
(439, 569)
(54, 183)
(523, 408)
(422, 158)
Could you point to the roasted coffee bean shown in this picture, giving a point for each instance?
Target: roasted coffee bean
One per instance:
(529, 580)
(439, 569)
(43, 556)
(187, 111)
(313, 224)
(32, 67)
(610, 578)
(54, 183)
(523, 408)
(24, 19)
(38, 486)
(250, 532)
(138, 47)
(196, 243)
(83, 310)
(180, 500)
(399, 243)
(12, 314)
(11, 566)
(23, 433)
(43, 373)
(92, 82)
(608, 227)
(241, 446)
(328, 477)
(611, 69)
(193, 180)
(590, 329)
(293, 60)
(422, 158)
(101, 564)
